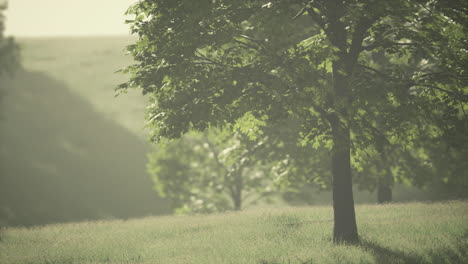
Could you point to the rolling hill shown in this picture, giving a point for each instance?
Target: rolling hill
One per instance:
(69, 149)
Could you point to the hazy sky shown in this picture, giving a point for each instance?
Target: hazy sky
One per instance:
(66, 17)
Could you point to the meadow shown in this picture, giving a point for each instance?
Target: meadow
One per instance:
(393, 233)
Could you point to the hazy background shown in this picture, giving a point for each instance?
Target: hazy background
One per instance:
(47, 18)
(69, 149)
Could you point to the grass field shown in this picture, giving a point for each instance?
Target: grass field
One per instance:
(395, 233)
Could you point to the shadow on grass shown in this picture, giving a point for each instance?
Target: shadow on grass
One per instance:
(386, 255)
(454, 254)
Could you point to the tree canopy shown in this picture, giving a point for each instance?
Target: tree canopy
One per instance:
(359, 75)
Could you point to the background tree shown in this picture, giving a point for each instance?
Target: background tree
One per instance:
(211, 63)
(9, 57)
(210, 172)
(8, 48)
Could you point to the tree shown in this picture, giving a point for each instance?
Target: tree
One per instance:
(200, 172)
(8, 55)
(211, 63)
(8, 48)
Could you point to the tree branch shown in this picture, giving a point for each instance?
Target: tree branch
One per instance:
(356, 40)
(461, 97)
(311, 12)
(442, 74)
(256, 41)
(386, 45)
(375, 71)
(246, 44)
(301, 12)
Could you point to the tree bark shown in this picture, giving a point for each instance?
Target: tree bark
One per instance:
(237, 190)
(237, 202)
(345, 228)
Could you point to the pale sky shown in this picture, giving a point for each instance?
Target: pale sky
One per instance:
(45, 18)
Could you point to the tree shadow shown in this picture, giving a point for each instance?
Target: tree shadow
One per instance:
(61, 161)
(386, 256)
(454, 254)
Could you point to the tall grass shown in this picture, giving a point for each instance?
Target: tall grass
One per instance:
(395, 233)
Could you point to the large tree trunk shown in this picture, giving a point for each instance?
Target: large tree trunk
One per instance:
(345, 228)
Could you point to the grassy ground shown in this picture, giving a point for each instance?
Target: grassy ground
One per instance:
(396, 233)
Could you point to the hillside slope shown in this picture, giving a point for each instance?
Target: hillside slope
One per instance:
(70, 150)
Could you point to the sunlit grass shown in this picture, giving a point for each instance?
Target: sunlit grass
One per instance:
(397, 233)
